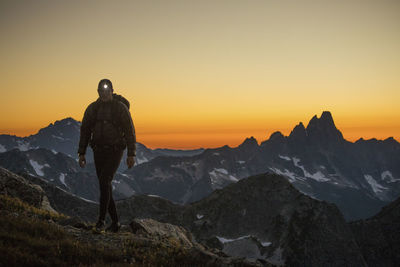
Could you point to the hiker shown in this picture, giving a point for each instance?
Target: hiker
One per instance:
(108, 128)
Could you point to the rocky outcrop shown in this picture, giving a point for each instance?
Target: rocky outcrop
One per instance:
(261, 217)
(278, 221)
(146, 242)
(379, 236)
(152, 227)
(64, 202)
(15, 186)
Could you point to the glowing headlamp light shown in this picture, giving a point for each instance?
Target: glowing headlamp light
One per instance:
(105, 85)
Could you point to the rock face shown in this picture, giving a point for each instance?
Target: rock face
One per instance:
(17, 187)
(65, 202)
(152, 227)
(379, 236)
(261, 217)
(267, 212)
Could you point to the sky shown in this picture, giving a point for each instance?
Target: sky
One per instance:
(204, 73)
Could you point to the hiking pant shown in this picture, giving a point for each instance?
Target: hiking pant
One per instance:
(107, 161)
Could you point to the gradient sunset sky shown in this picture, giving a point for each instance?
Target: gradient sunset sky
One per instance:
(204, 73)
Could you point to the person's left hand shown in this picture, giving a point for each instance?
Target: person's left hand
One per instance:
(130, 161)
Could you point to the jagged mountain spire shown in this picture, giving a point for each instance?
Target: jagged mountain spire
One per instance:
(323, 131)
(298, 133)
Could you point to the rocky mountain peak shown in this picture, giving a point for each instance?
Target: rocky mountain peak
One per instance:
(249, 142)
(391, 141)
(323, 131)
(299, 132)
(326, 120)
(66, 122)
(276, 136)
(61, 126)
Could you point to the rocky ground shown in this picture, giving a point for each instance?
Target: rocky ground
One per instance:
(33, 233)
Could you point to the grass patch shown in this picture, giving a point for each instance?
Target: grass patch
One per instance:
(28, 237)
(12, 204)
(33, 242)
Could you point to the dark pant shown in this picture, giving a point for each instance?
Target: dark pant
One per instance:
(107, 161)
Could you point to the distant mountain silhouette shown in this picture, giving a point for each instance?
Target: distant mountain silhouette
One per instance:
(359, 177)
(63, 136)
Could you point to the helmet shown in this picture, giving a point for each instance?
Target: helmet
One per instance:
(104, 85)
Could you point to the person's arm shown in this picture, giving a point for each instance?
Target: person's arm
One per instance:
(86, 130)
(129, 131)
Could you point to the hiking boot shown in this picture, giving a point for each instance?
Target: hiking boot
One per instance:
(99, 227)
(114, 227)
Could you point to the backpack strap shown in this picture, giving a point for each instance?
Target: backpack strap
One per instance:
(122, 99)
(95, 110)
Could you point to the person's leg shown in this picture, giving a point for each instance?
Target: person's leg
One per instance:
(106, 200)
(112, 210)
(104, 197)
(100, 159)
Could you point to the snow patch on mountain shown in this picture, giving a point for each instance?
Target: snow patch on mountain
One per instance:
(58, 137)
(221, 170)
(2, 149)
(318, 176)
(224, 240)
(292, 177)
(23, 146)
(285, 157)
(62, 179)
(125, 175)
(387, 176)
(376, 187)
(219, 175)
(266, 244)
(199, 216)
(241, 161)
(37, 167)
(141, 160)
(88, 200)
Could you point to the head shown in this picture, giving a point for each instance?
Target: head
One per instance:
(105, 90)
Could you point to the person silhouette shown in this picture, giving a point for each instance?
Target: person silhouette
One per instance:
(108, 128)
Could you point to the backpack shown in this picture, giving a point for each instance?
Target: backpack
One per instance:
(114, 121)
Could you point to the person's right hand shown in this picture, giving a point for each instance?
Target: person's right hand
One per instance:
(82, 161)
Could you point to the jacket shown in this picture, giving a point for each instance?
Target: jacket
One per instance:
(100, 126)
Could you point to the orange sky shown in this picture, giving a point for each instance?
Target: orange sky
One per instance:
(205, 73)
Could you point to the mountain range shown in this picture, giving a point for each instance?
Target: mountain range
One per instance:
(262, 218)
(359, 177)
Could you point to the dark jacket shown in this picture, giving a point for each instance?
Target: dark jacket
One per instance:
(113, 118)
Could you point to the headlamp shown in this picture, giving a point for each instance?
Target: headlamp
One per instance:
(104, 85)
